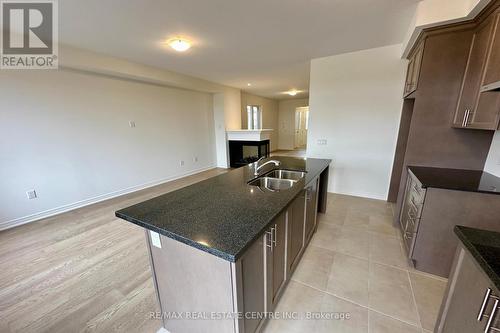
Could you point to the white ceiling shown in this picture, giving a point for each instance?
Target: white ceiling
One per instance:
(268, 43)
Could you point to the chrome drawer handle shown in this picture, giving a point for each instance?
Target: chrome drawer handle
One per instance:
(275, 229)
(492, 318)
(270, 235)
(483, 305)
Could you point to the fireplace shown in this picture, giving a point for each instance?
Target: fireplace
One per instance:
(245, 152)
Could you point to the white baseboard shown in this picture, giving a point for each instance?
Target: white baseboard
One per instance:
(65, 208)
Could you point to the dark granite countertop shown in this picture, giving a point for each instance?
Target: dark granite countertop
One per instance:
(484, 246)
(222, 215)
(457, 179)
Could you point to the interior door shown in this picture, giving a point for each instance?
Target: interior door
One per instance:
(301, 123)
(297, 129)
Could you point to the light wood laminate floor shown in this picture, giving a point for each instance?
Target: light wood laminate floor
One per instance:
(81, 271)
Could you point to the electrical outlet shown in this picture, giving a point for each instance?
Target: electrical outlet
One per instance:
(131, 123)
(155, 239)
(322, 142)
(31, 194)
(181, 163)
(195, 159)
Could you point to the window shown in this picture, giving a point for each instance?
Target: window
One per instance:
(254, 116)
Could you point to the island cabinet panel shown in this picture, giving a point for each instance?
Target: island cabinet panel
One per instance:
(311, 210)
(296, 218)
(464, 298)
(191, 282)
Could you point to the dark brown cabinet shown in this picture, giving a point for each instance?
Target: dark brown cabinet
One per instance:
(478, 107)
(253, 285)
(296, 231)
(469, 299)
(411, 212)
(413, 71)
(275, 259)
(428, 216)
(492, 73)
(311, 210)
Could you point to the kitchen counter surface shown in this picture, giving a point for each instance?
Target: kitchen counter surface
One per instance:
(485, 248)
(222, 215)
(457, 179)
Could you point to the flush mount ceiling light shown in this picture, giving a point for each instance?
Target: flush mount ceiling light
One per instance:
(249, 84)
(292, 92)
(179, 44)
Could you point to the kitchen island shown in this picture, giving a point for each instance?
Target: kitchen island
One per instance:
(222, 250)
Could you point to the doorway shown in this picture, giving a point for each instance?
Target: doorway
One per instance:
(301, 126)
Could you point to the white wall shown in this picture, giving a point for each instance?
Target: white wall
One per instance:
(269, 115)
(355, 102)
(66, 134)
(226, 107)
(493, 161)
(225, 118)
(286, 132)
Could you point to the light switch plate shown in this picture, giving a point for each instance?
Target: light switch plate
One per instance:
(155, 239)
(322, 142)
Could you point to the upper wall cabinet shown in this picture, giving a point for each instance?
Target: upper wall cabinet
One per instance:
(479, 104)
(492, 74)
(413, 72)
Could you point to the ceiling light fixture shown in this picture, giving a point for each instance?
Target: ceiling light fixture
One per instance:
(292, 92)
(179, 44)
(249, 84)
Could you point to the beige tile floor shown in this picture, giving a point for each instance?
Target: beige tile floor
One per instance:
(356, 264)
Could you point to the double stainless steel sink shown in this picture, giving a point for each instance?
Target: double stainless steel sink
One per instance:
(277, 180)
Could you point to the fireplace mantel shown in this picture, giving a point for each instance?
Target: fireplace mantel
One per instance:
(249, 135)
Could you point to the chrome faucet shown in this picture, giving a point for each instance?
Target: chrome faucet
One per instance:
(258, 167)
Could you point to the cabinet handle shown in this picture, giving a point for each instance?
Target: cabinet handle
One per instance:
(491, 318)
(275, 229)
(270, 237)
(465, 117)
(483, 305)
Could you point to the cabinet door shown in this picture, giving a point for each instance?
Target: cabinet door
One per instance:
(311, 209)
(487, 114)
(276, 252)
(492, 74)
(466, 291)
(413, 72)
(419, 52)
(295, 231)
(409, 77)
(472, 80)
(252, 285)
